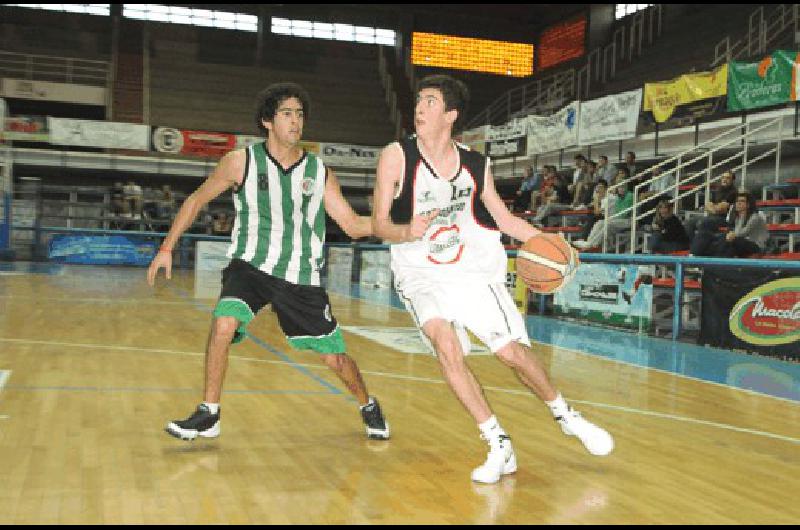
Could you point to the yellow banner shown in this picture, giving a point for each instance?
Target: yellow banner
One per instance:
(662, 98)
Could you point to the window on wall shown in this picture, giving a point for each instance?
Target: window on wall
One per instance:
(623, 10)
(191, 16)
(88, 9)
(328, 31)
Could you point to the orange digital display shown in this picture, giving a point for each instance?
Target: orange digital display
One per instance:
(562, 42)
(477, 55)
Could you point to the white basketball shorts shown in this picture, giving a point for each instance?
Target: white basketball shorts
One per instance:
(487, 310)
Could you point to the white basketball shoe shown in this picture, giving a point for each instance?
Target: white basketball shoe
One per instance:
(500, 460)
(596, 440)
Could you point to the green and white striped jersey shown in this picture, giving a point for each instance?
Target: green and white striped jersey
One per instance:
(280, 216)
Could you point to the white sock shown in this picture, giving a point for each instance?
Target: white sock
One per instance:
(213, 408)
(371, 401)
(558, 406)
(491, 428)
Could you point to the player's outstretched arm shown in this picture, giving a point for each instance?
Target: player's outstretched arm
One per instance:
(229, 172)
(354, 225)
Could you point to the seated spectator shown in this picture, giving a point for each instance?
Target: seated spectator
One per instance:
(582, 193)
(605, 170)
(222, 224)
(747, 232)
(716, 208)
(548, 179)
(531, 181)
(598, 207)
(630, 163)
(619, 222)
(556, 201)
(662, 185)
(134, 197)
(166, 203)
(668, 234)
(579, 175)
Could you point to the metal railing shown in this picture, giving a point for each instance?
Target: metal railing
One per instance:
(762, 30)
(549, 93)
(55, 69)
(738, 137)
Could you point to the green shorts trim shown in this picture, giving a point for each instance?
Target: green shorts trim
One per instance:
(332, 343)
(238, 309)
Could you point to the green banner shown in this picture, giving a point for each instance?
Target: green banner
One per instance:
(771, 81)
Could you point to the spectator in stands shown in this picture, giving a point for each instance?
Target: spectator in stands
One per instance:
(531, 181)
(221, 225)
(119, 207)
(134, 197)
(747, 232)
(556, 201)
(617, 223)
(630, 163)
(668, 233)
(716, 208)
(605, 170)
(579, 174)
(663, 184)
(166, 203)
(548, 180)
(582, 193)
(598, 207)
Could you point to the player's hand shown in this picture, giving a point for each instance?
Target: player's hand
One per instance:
(419, 225)
(161, 259)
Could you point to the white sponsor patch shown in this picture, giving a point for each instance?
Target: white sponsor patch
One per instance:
(405, 340)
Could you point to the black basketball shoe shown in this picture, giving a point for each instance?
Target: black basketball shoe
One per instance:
(376, 424)
(201, 423)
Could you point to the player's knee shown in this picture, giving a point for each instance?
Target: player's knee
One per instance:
(334, 362)
(224, 328)
(512, 354)
(449, 353)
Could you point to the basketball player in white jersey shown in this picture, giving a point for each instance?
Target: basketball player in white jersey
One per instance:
(281, 194)
(436, 203)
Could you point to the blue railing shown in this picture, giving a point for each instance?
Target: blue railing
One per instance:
(679, 262)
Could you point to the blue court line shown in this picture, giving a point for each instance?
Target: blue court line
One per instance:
(159, 390)
(203, 307)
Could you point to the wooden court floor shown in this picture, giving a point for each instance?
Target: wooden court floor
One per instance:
(93, 363)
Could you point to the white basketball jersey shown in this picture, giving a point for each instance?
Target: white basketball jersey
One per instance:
(463, 243)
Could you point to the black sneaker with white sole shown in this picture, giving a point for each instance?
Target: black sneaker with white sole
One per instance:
(201, 423)
(376, 424)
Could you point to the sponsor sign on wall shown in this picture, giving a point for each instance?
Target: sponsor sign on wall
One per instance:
(346, 155)
(614, 295)
(47, 91)
(551, 133)
(25, 129)
(101, 250)
(204, 144)
(105, 134)
(610, 118)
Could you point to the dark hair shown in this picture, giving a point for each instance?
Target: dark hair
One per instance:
(732, 172)
(604, 182)
(632, 154)
(580, 157)
(454, 92)
(603, 156)
(274, 95)
(625, 170)
(751, 202)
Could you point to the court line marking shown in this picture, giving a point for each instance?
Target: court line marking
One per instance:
(602, 357)
(435, 381)
(5, 375)
(97, 300)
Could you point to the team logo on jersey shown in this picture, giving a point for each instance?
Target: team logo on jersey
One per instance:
(445, 246)
(308, 186)
(426, 197)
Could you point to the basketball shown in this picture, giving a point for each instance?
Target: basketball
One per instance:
(546, 263)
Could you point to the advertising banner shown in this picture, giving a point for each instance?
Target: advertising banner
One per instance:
(375, 269)
(614, 295)
(610, 118)
(101, 250)
(354, 156)
(507, 148)
(516, 128)
(192, 143)
(664, 97)
(771, 81)
(551, 133)
(25, 129)
(106, 134)
(340, 265)
(752, 311)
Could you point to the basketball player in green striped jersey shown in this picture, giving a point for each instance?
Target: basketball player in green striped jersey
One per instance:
(281, 194)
